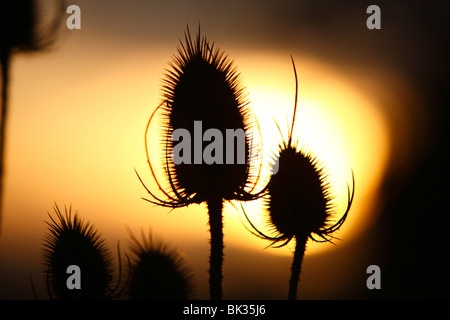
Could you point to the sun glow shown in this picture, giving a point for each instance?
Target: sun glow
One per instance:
(85, 144)
(336, 121)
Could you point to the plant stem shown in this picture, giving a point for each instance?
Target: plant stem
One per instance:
(296, 268)
(4, 61)
(216, 257)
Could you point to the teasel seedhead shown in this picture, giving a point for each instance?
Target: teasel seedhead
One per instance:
(71, 241)
(204, 85)
(21, 27)
(159, 271)
(299, 198)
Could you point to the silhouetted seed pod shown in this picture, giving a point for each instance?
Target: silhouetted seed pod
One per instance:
(159, 271)
(19, 18)
(203, 88)
(21, 26)
(70, 241)
(299, 202)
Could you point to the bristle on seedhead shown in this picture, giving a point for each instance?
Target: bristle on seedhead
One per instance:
(70, 241)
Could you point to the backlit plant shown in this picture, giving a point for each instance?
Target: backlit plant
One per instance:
(203, 85)
(299, 202)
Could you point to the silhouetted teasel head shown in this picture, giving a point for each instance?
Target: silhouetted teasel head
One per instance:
(204, 88)
(158, 271)
(73, 242)
(21, 26)
(204, 106)
(299, 200)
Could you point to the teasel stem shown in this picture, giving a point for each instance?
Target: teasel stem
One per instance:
(19, 32)
(4, 61)
(216, 256)
(296, 268)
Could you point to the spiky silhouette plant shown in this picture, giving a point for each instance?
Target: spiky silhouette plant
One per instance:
(158, 271)
(203, 85)
(19, 32)
(299, 202)
(71, 241)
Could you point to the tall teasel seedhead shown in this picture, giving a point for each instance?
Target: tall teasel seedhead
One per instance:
(299, 201)
(71, 241)
(158, 271)
(204, 86)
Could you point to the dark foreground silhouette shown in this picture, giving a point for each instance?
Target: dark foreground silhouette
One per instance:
(156, 270)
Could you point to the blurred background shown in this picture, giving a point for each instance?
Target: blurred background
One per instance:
(371, 101)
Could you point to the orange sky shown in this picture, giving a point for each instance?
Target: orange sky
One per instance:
(76, 134)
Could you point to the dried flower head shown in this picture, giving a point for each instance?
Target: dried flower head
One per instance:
(159, 271)
(299, 198)
(70, 241)
(299, 201)
(204, 87)
(20, 26)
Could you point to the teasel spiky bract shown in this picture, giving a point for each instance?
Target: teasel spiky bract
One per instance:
(20, 31)
(71, 241)
(299, 201)
(203, 85)
(158, 271)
